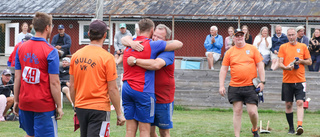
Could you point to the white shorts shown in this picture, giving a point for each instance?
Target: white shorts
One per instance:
(274, 56)
(216, 56)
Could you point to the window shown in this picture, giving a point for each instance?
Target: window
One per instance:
(131, 26)
(83, 33)
(311, 29)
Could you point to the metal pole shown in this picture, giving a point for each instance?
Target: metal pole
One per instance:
(172, 28)
(238, 22)
(307, 29)
(99, 10)
(109, 46)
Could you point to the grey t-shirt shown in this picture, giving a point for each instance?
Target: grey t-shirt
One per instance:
(117, 40)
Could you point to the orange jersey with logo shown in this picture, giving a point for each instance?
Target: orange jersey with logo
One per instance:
(288, 52)
(92, 67)
(243, 63)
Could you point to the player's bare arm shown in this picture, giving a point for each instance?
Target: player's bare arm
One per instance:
(305, 61)
(56, 93)
(128, 41)
(72, 90)
(17, 84)
(115, 99)
(149, 64)
(282, 66)
(173, 45)
(261, 72)
(222, 78)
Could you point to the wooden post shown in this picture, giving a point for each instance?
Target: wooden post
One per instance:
(238, 22)
(109, 46)
(307, 29)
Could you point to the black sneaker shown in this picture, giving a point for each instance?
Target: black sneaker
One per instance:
(291, 131)
(255, 133)
(299, 130)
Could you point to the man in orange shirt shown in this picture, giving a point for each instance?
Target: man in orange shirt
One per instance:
(93, 77)
(293, 83)
(243, 59)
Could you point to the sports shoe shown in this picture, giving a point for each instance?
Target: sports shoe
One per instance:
(299, 130)
(291, 131)
(255, 133)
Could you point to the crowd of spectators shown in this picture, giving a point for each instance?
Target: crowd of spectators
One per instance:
(267, 45)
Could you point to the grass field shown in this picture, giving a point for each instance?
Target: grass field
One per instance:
(189, 123)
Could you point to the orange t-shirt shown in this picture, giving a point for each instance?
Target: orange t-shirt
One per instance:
(288, 52)
(243, 63)
(92, 67)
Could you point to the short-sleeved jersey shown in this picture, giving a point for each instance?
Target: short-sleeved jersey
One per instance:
(12, 56)
(164, 79)
(139, 78)
(243, 63)
(36, 59)
(92, 68)
(288, 52)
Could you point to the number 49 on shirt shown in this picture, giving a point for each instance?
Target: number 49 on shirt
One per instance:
(31, 75)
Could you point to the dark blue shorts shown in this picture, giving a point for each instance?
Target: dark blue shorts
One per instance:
(39, 124)
(163, 116)
(137, 105)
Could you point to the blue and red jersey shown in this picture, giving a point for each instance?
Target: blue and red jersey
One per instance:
(12, 57)
(164, 79)
(36, 59)
(139, 78)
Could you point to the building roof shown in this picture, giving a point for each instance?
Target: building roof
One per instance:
(187, 9)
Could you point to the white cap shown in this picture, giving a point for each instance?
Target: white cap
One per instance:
(299, 28)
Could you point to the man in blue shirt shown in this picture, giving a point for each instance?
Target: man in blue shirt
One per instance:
(62, 42)
(277, 40)
(213, 45)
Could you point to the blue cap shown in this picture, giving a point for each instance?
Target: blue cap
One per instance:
(122, 25)
(60, 26)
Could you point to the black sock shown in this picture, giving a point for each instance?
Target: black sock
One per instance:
(290, 119)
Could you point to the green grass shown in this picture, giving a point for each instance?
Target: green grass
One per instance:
(190, 123)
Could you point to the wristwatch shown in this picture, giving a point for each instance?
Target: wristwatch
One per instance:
(263, 82)
(134, 61)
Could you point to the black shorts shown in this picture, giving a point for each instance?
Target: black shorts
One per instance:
(246, 94)
(90, 121)
(63, 84)
(293, 89)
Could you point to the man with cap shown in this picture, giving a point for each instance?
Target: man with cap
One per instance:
(11, 59)
(62, 42)
(300, 35)
(6, 95)
(244, 60)
(93, 84)
(118, 46)
(65, 77)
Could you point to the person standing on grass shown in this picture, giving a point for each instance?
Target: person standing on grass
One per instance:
(93, 84)
(244, 60)
(293, 82)
(138, 83)
(164, 81)
(37, 97)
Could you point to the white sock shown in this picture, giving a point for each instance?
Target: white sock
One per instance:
(3, 104)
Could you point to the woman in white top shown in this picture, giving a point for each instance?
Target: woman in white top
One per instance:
(263, 43)
(24, 32)
(229, 39)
